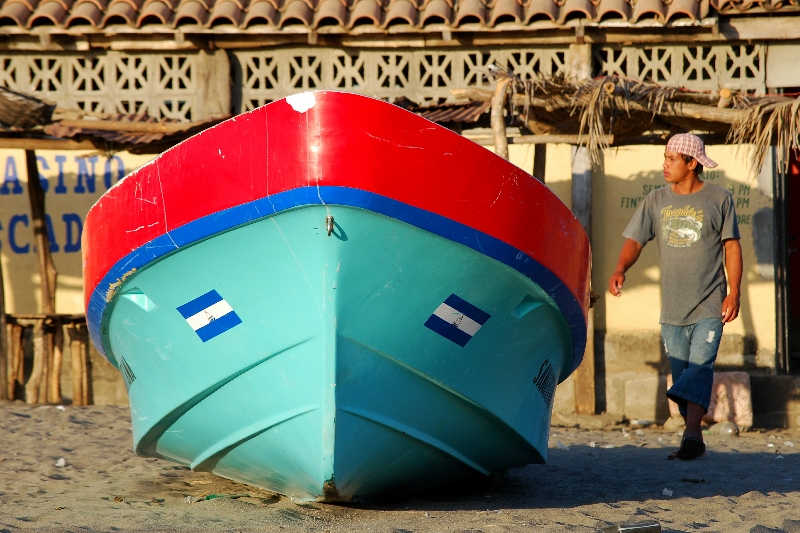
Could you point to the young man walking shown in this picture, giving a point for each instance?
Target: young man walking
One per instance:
(693, 223)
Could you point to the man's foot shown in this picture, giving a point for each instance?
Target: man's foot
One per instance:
(691, 448)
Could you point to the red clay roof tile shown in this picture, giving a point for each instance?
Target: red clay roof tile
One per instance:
(191, 12)
(331, 13)
(648, 9)
(85, 13)
(411, 15)
(226, 13)
(401, 12)
(51, 13)
(366, 10)
(683, 9)
(261, 13)
(156, 12)
(576, 9)
(471, 11)
(296, 12)
(541, 10)
(436, 12)
(506, 9)
(614, 9)
(15, 14)
(119, 13)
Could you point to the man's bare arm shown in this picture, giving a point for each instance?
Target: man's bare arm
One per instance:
(734, 267)
(627, 257)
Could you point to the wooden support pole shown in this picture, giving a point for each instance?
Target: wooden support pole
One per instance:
(10, 362)
(88, 397)
(20, 143)
(6, 384)
(44, 352)
(81, 393)
(130, 127)
(497, 119)
(16, 373)
(34, 384)
(57, 349)
(47, 269)
(722, 115)
(77, 365)
(539, 161)
(585, 403)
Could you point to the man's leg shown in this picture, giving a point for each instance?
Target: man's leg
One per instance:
(693, 418)
(677, 345)
(693, 386)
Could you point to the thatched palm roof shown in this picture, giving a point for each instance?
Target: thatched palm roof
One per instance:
(634, 112)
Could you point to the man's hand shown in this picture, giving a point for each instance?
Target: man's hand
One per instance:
(627, 257)
(615, 283)
(730, 308)
(733, 264)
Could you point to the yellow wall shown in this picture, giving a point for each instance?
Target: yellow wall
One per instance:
(628, 173)
(73, 184)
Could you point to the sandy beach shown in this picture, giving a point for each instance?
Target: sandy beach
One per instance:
(73, 469)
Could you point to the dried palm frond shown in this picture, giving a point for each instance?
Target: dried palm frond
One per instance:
(773, 121)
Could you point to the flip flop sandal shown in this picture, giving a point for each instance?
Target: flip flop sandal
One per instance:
(691, 448)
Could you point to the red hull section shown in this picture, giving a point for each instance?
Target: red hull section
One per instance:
(344, 140)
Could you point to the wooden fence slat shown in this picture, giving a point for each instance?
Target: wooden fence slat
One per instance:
(32, 387)
(19, 354)
(86, 365)
(57, 351)
(10, 362)
(77, 372)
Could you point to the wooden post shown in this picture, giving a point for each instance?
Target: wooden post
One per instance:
(57, 349)
(539, 161)
(582, 208)
(49, 275)
(16, 359)
(47, 269)
(34, 384)
(81, 393)
(497, 120)
(11, 362)
(6, 384)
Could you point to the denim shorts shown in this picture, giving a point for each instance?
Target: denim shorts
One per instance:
(692, 351)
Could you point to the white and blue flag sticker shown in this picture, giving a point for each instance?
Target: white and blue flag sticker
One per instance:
(457, 320)
(209, 315)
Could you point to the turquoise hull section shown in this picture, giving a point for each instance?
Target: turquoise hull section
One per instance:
(331, 387)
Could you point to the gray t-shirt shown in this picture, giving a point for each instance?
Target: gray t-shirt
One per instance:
(689, 230)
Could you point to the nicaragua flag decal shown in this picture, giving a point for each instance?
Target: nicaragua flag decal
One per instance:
(457, 320)
(209, 315)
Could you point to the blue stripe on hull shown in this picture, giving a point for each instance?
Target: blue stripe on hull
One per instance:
(247, 213)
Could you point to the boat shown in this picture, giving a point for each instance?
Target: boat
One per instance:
(335, 299)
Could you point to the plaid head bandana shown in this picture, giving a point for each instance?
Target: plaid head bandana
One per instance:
(691, 145)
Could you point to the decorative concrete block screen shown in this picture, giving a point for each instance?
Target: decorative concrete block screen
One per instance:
(187, 86)
(423, 76)
(700, 68)
(196, 85)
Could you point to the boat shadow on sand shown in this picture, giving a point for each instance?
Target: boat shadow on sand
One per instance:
(584, 475)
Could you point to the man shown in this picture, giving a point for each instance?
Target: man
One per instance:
(693, 222)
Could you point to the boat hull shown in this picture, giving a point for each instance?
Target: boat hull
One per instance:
(335, 299)
(332, 386)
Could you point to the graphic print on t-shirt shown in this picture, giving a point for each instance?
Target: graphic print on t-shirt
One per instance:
(681, 227)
